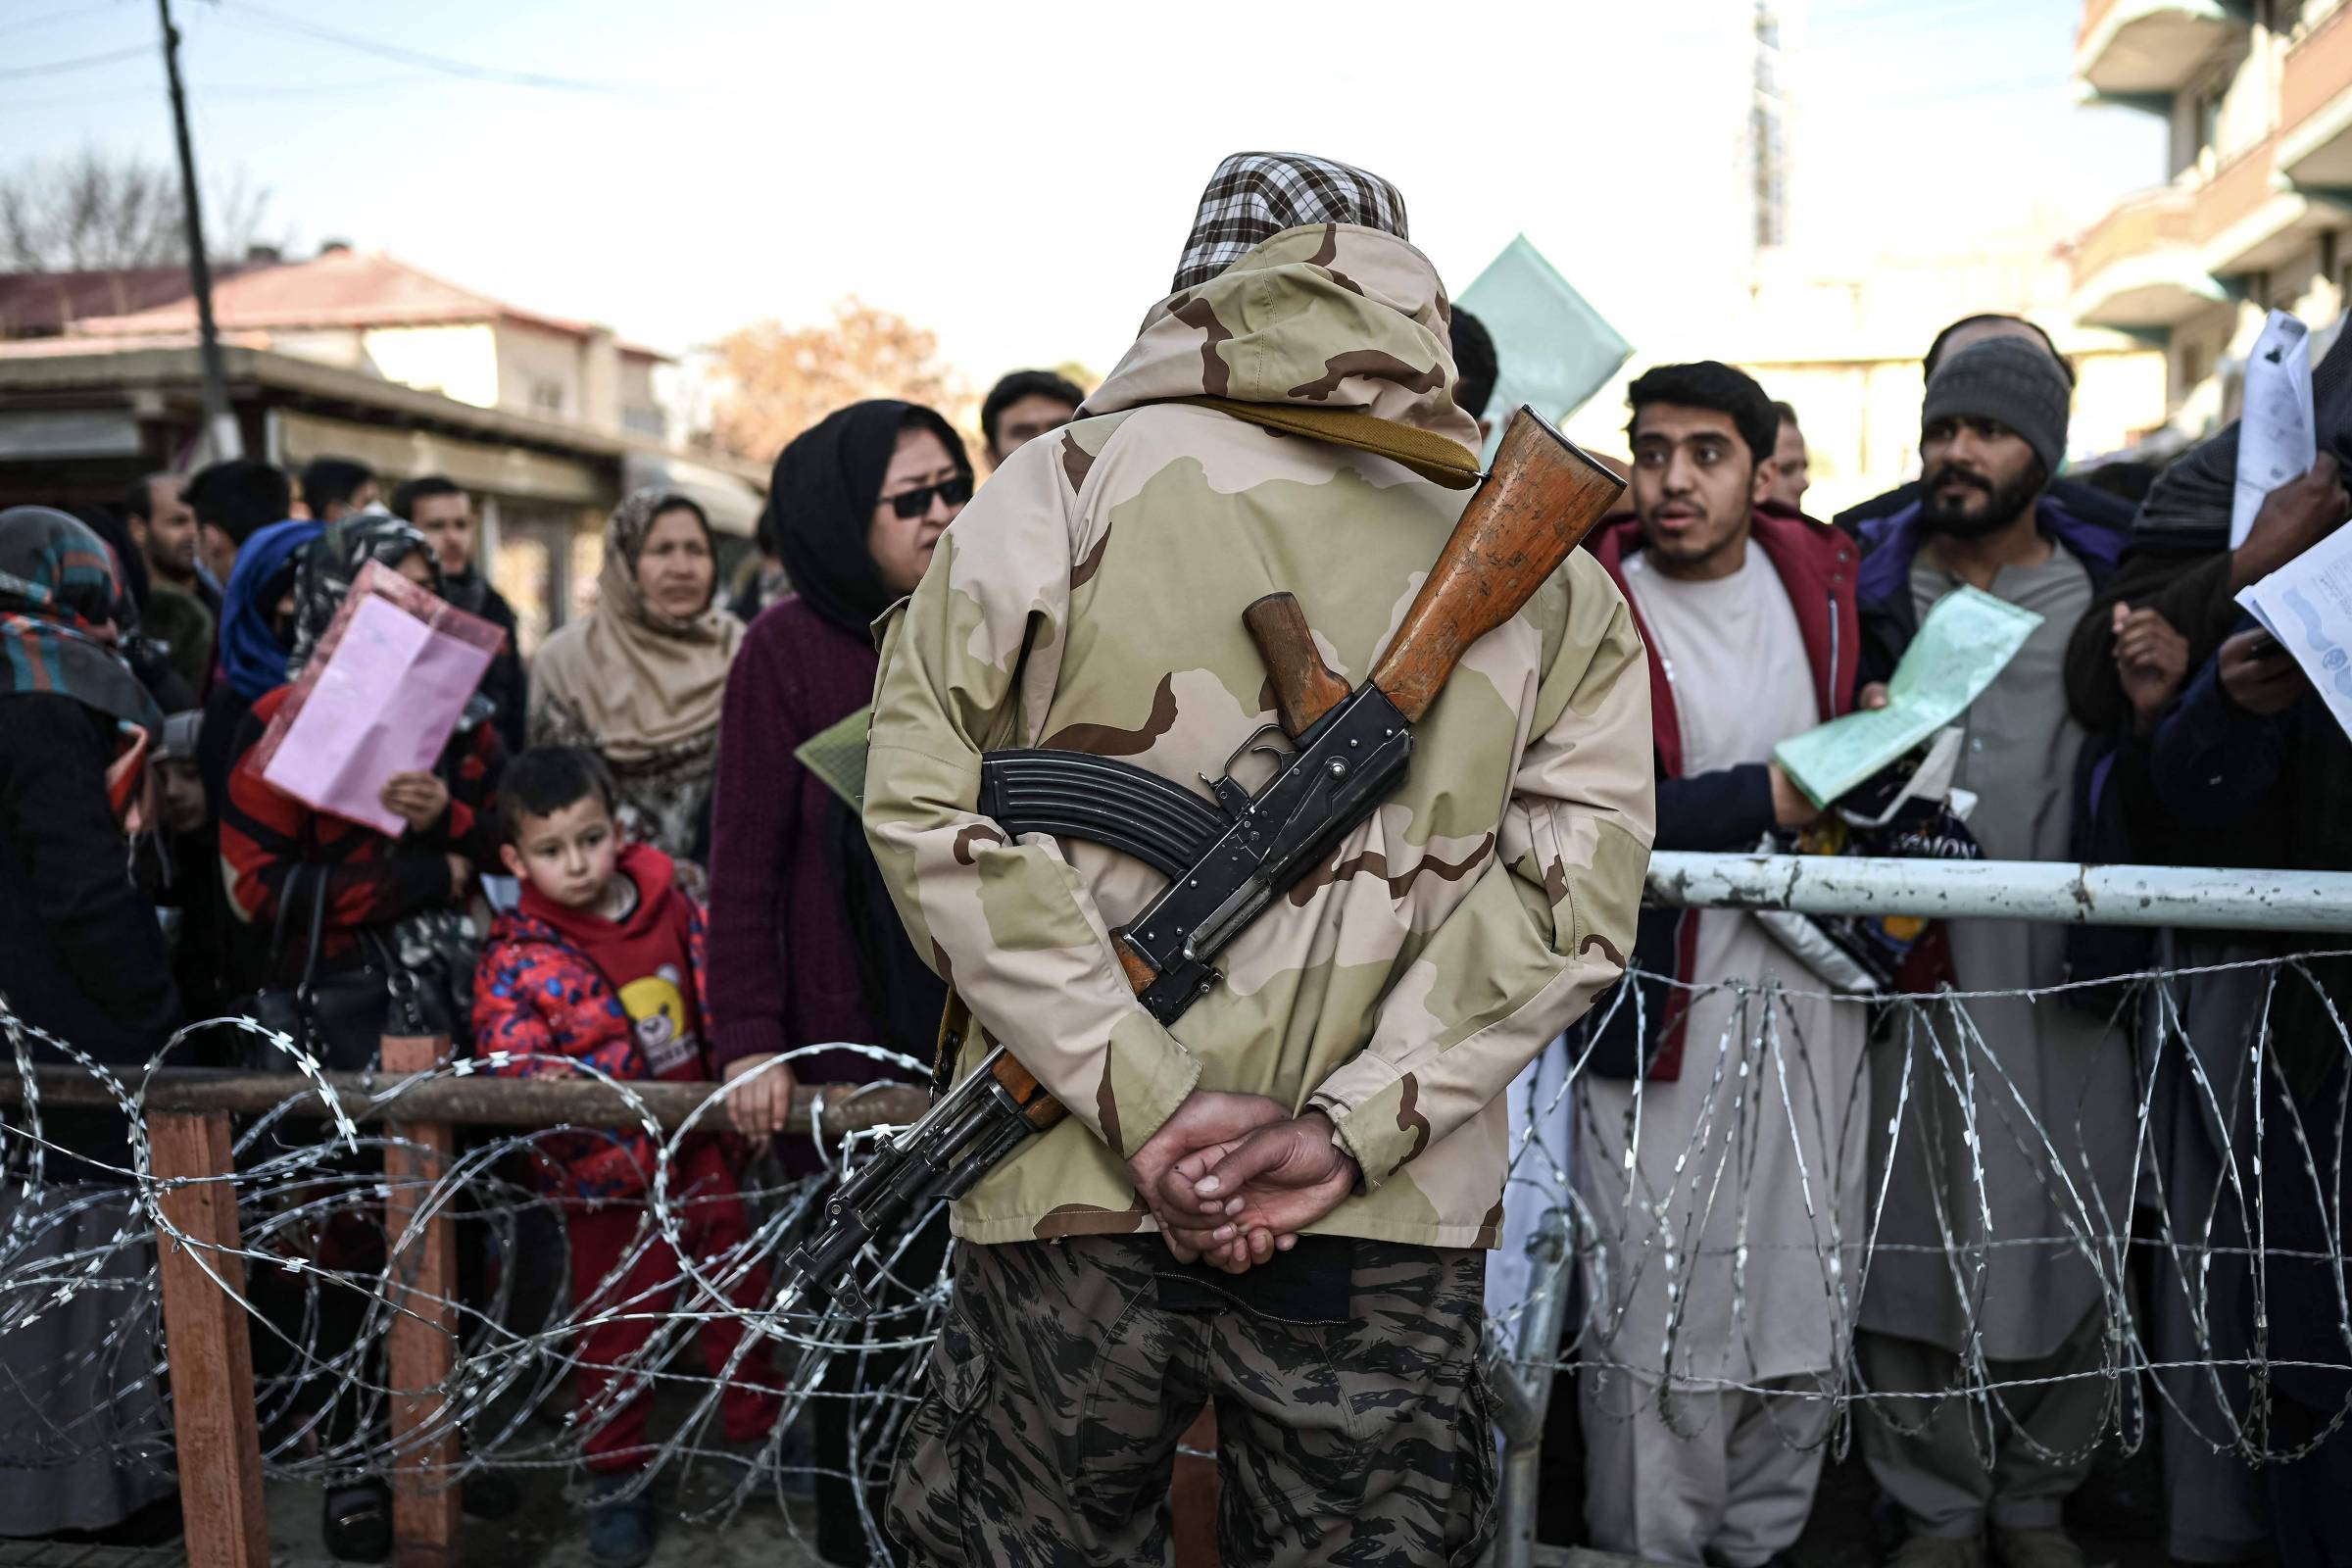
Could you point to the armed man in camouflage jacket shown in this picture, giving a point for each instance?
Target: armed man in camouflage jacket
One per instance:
(1352, 1062)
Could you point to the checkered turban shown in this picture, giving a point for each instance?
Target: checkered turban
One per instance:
(1253, 196)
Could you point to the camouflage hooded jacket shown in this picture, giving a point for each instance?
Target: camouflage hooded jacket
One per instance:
(1090, 598)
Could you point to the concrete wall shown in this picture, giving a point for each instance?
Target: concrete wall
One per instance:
(456, 362)
(599, 380)
(1844, 347)
(532, 360)
(640, 401)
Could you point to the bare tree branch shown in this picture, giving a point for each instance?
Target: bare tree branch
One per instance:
(96, 211)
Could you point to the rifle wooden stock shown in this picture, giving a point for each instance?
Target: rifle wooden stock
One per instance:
(1304, 687)
(1540, 500)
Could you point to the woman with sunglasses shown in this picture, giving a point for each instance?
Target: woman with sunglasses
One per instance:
(804, 948)
(640, 678)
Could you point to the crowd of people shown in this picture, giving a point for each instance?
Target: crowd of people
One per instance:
(2145, 719)
(560, 873)
(623, 856)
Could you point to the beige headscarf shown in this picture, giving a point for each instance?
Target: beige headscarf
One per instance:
(643, 683)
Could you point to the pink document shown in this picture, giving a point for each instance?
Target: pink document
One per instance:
(380, 696)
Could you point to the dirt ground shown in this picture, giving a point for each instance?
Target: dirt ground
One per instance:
(2118, 1517)
(550, 1532)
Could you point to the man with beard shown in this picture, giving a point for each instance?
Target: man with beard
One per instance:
(182, 609)
(2095, 505)
(2013, 1155)
(1721, 1150)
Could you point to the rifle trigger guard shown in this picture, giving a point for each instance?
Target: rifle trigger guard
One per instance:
(1229, 791)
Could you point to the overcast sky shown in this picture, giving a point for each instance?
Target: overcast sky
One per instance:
(1018, 178)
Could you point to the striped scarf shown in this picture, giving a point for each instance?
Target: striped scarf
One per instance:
(59, 584)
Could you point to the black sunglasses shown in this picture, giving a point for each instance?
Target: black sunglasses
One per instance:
(914, 503)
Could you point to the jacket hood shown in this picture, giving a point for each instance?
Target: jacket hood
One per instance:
(1329, 317)
(1889, 542)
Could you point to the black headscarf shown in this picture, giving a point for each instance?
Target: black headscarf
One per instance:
(822, 499)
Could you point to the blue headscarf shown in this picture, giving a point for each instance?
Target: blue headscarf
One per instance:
(251, 656)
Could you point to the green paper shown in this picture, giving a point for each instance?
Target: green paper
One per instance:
(1552, 349)
(837, 755)
(1966, 641)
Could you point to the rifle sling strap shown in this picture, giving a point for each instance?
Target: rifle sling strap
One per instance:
(1428, 455)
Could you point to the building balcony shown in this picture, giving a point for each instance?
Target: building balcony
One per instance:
(2249, 218)
(2314, 106)
(2136, 48)
(2142, 266)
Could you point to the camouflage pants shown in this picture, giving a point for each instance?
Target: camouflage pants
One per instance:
(1059, 1387)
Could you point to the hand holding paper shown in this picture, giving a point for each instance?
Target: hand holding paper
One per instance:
(2306, 606)
(418, 799)
(378, 702)
(1962, 645)
(2277, 435)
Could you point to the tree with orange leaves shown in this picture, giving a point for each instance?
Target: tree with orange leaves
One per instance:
(777, 381)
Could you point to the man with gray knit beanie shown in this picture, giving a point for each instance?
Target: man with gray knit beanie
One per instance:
(1979, 1251)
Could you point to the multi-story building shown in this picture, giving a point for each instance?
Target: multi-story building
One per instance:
(2258, 183)
(546, 420)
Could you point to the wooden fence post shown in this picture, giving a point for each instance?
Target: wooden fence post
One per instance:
(421, 1354)
(209, 1343)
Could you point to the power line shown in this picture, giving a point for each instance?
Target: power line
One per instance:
(57, 67)
(277, 22)
(214, 96)
(28, 24)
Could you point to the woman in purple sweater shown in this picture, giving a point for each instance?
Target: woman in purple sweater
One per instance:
(857, 504)
(804, 946)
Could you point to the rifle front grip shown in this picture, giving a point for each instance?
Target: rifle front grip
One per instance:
(1304, 687)
(1041, 1109)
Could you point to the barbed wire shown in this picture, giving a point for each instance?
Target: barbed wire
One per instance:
(1711, 1221)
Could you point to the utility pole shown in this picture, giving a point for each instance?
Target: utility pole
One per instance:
(221, 425)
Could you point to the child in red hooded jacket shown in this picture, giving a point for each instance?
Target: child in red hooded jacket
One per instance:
(601, 962)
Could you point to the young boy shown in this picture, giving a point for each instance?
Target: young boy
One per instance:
(602, 962)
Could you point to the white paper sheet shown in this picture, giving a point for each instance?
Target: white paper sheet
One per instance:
(2307, 606)
(2277, 436)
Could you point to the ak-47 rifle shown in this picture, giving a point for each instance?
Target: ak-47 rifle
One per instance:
(1228, 861)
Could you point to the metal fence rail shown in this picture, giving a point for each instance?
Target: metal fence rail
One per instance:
(2008, 890)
